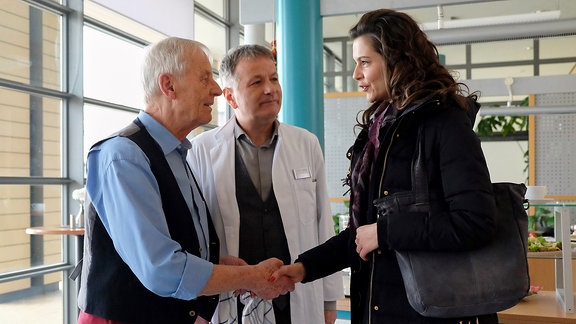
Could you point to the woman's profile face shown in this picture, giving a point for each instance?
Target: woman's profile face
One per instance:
(369, 70)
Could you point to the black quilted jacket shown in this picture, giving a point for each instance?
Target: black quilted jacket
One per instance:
(456, 170)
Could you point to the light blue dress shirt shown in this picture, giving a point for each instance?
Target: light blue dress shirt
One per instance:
(126, 195)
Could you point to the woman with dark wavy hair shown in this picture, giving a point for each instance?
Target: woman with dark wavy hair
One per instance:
(413, 99)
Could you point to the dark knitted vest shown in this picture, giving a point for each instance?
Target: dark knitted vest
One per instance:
(112, 290)
(262, 233)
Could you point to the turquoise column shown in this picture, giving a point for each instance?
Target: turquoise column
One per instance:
(299, 49)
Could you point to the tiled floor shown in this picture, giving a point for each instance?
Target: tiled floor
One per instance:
(45, 309)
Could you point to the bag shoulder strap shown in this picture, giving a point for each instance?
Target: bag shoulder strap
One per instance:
(419, 174)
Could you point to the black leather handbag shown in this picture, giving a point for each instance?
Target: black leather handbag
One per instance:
(467, 283)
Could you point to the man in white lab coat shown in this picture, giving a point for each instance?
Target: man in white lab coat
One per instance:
(264, 184)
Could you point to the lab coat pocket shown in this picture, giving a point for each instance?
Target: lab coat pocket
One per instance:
(306, 199)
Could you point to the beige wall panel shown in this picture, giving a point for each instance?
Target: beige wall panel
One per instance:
(14, 236)
(52, 106)
(14, 145)
(52, 191)
(51, 20)
(53, 258)
(14, 98)
(53, 202)
(53, 207)
(52, 166)
(18, 8)
(53, 219)
(15, 221)
(52, 250)
(14, 191)
(51, 30)
(10, 129)
(51, 50)
(51, 133)
(16, 206)
(51, 72)
(15, 265)
(53, 277)
(15, 253)
(17, 78)
(52, 113)
(15, 172)
(14, 114)
(16, 37)
(51, 80)
(53, 242)
(13, 51)
(52, 148)
(14, 285)
(17, 161)
(14, 21)
(12, 252)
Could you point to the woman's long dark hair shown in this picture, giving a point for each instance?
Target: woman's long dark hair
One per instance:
(412, 73)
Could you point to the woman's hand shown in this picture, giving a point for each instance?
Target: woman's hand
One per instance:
(366, 240)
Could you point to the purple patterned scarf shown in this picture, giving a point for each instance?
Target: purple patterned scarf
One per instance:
(361, 172)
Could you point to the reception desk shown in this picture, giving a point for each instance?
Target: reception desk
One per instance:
(542, 308)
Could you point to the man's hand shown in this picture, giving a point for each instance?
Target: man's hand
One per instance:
(329, 316)
(266, 286)
(232, 260)
(200, 320)
(235, 261)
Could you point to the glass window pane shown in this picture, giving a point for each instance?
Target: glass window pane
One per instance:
(217, 6)
(112, 69)
(509, 50)
(333, 56)
(558, 68)
(333, 84)
(26, 206)
(352, 84)
(30, 135)
(127, 25)
(30, 45)
(33, 300)
(100, 122)
(458, 74)
(503, 72)
(453, 54)
(557, 47)
(351, 64)
(213, 35)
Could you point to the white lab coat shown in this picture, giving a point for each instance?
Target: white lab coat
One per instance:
(303, 203)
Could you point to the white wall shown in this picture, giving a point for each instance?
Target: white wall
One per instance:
(178, 14)
(506, 160)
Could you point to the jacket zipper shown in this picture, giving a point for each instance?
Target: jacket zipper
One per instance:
(377, 217)
(386, 159)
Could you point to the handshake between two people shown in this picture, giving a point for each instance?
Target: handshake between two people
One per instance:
(267, 279)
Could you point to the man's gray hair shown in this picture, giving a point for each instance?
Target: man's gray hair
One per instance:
(167, 56)
(234, 56)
